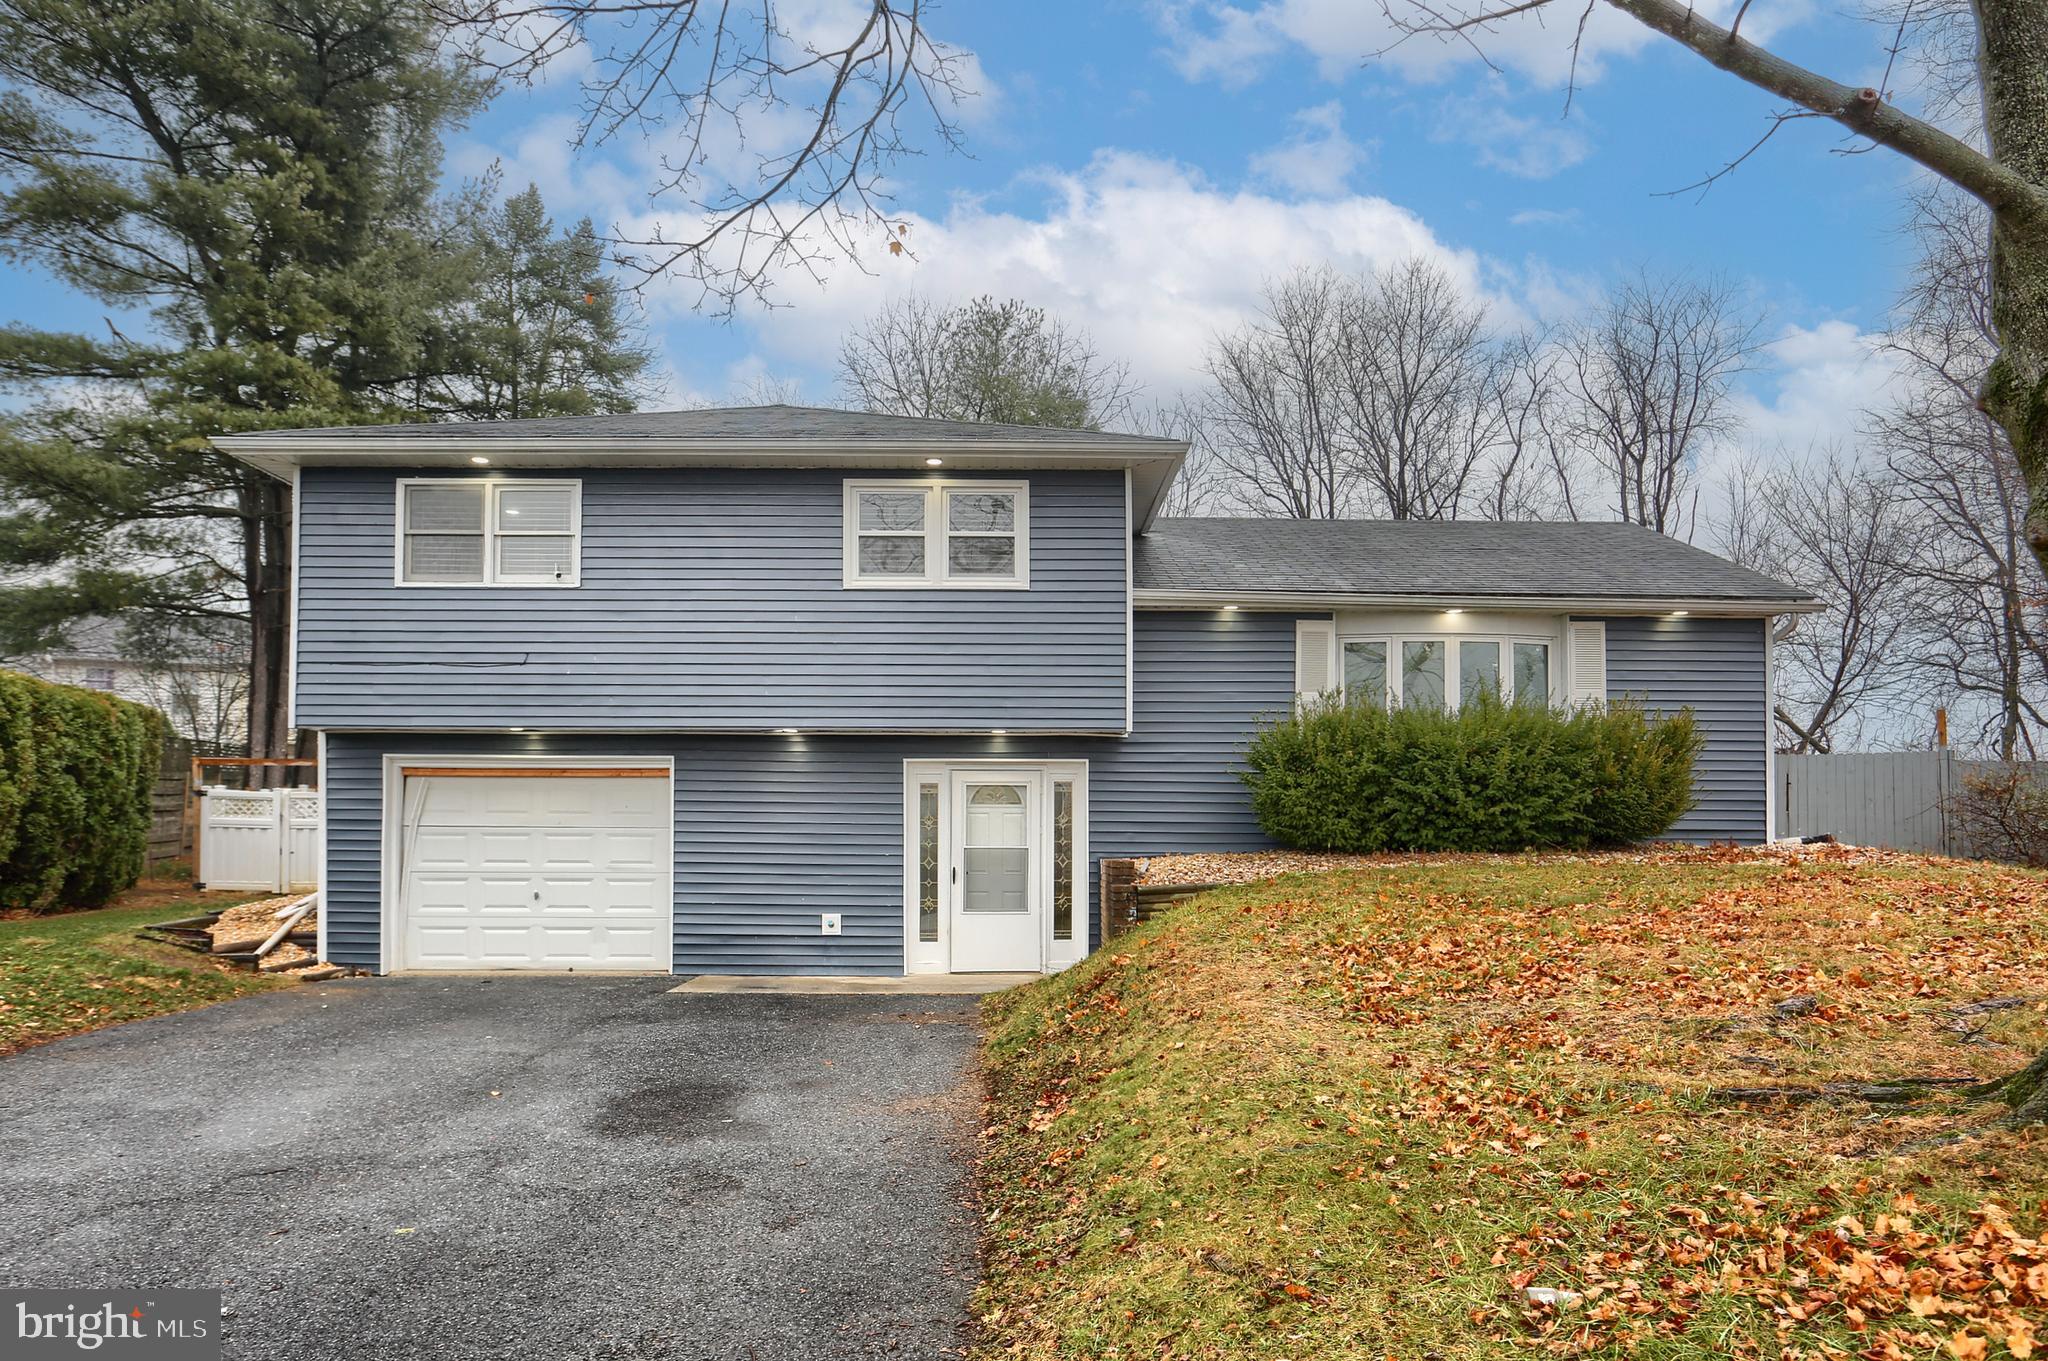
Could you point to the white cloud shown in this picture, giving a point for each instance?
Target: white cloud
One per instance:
(1813, 386)
(1317, 158)
(664, 160)
(1223, 43)
(1232, 42)
(1808, 393)
(1526, 147)
(1544, 217)
(1145, 254)
(544, 155)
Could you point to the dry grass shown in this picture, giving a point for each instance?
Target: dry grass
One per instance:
(168, 887)
(78, 971)
(1364, 1113)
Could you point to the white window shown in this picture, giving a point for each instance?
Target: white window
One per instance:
(956, 534)
(1365, 670)
(1430, 672)
(99, 677)
(489, 533)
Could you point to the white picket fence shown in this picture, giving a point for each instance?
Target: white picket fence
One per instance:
(260, 838)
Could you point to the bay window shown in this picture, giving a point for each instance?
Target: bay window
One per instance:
(1365, 671)
(1427, 672)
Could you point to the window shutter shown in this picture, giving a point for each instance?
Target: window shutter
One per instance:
(1586, 654)
(1315, 664)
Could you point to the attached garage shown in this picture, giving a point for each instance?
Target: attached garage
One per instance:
(555, 867)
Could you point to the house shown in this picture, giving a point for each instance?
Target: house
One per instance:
(198, 679)
(779, 690)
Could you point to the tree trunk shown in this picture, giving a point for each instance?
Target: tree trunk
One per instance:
(2013, 62)
(2025, 1091)
(267, 564)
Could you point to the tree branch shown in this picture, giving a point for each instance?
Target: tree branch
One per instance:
(1862, 110)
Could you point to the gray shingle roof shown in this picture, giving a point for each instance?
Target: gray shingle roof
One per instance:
(1464, 558)
(792, 423)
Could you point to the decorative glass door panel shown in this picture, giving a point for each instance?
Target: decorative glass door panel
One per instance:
(997, 908)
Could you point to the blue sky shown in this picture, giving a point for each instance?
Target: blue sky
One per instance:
(1139, 168)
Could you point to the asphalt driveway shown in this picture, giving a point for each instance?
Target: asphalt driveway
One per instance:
(483, 1167)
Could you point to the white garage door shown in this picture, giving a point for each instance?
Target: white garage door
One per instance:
(559, 869)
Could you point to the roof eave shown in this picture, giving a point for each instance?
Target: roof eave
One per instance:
(1152, 463)
(1706, 606)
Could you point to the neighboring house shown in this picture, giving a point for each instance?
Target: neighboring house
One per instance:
(201, 686)
(778, 690)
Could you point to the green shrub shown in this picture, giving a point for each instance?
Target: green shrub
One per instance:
(1487, 777)
(76, 767)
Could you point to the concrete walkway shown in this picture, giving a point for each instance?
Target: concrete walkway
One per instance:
(819, 985)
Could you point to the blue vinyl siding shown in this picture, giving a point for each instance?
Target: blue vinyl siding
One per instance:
(710, 599)
(1716, 667)
(771, 831)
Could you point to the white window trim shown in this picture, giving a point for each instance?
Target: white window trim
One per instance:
(1454, 687)
(492, 486)
(935, 957)
(936, 575)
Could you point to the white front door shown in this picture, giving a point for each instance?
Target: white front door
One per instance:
(996, 914)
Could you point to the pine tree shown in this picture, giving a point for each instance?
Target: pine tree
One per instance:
(248, 187)
(545, 332)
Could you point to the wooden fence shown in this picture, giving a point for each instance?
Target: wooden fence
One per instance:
(1898, 799)
(170, 826)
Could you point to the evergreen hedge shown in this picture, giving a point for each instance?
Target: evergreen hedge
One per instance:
(76, 768)
(1487, 777)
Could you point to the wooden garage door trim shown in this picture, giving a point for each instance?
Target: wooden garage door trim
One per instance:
(537, 772)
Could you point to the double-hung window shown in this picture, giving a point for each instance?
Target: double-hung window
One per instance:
(1432, 673)
(952, 534)
(472, 532)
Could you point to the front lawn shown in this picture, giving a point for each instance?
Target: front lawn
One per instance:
(81, 970)
(1467, 1107)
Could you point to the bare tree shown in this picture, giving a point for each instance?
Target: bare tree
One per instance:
(1276, 415)
(1202, 485)
(1649, 379)
(1389, 395)
(1850, 535)
(1985, 638)
(2005, 99)
(783, 132)
(763, 389)
(1523, 475)
(191, 673)
(982, 361)
(1418, 369)
(752, 213)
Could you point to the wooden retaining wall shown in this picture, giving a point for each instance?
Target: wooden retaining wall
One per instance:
(1126, 902)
